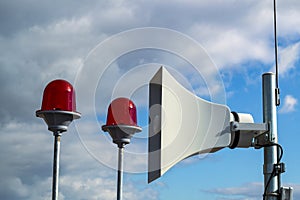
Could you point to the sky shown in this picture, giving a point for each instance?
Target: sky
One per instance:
(217, 49)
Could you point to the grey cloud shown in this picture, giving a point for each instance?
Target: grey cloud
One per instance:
(181, 15)
(18, 15)
(30, 60)
(25, 153)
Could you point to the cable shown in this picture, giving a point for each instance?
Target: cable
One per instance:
(268, 183)
(273, 174)
(278, 147)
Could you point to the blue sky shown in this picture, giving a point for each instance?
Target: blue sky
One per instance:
(106, 49)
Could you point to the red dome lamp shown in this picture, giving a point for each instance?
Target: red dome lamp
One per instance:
(121, 121)
(59, 95)
(58, 106)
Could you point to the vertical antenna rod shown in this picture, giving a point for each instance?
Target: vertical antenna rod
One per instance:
(277, 92)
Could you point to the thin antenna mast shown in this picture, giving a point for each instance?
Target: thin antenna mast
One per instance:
(277, 92)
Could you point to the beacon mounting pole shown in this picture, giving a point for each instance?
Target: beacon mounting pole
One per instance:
(120, 172)
(55, 177)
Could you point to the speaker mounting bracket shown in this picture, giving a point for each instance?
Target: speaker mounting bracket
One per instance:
(246, 133)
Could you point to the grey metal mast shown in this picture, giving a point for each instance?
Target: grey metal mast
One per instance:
(270, 152)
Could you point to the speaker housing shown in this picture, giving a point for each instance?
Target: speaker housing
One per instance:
(181, 124)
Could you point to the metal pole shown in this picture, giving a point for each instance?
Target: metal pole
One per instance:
(270, 152)
(56, 165)
(120, 172)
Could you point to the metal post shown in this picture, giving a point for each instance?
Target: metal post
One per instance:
(270, 153)
(120, 172)
(56, 165)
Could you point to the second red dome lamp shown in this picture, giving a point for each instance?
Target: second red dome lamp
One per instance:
(121, 121)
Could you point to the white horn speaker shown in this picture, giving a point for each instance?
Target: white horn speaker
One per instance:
(182, 124)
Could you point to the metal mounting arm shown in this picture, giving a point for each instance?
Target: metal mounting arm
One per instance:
(244, 133)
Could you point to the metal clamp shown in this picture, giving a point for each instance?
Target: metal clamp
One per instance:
(286, 193)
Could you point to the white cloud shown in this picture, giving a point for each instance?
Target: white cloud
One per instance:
(248, 191)
(240, 36)
(288, 58)
(289, 104)
(288, 18)
(235, 46)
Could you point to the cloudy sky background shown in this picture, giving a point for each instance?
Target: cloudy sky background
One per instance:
(45, 40)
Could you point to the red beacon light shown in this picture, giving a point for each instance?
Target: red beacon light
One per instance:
(121, 111)
(59, 95)
(58, 106)
(121, 121)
